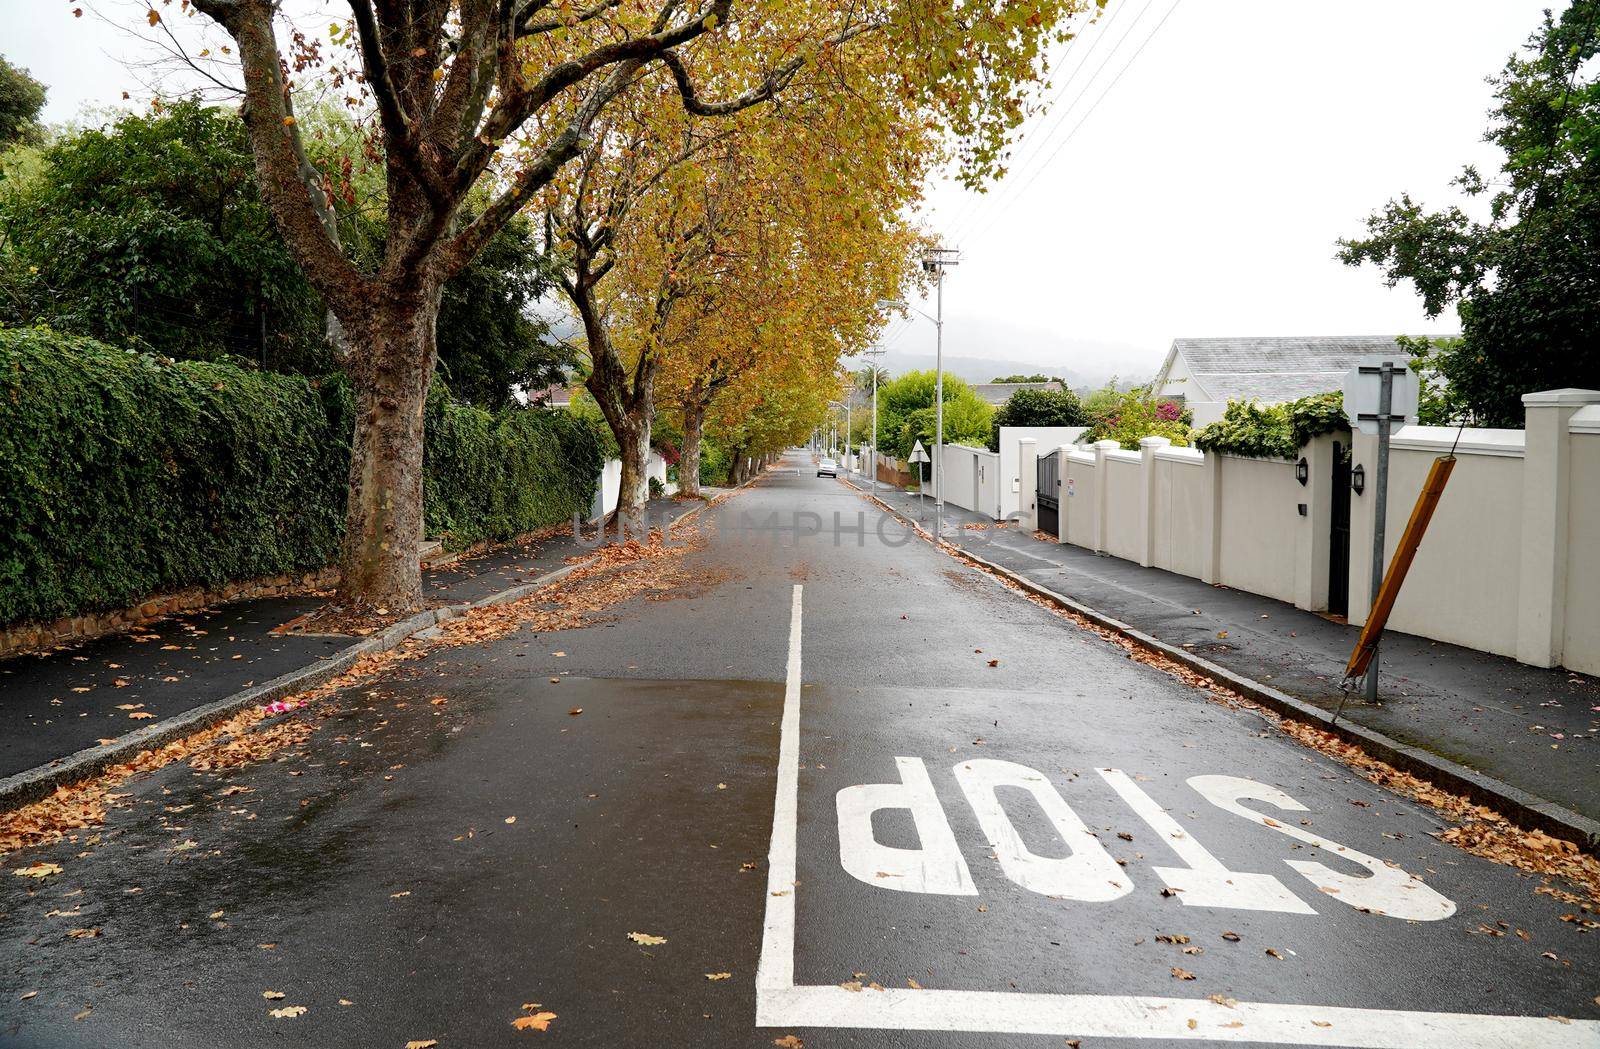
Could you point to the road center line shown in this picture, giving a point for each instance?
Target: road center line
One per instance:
(776, 971)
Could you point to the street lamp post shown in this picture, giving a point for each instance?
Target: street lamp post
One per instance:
(935, 262)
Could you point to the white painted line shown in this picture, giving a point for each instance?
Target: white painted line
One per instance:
(779, 1003)
(1129, 1016)
(776, 970)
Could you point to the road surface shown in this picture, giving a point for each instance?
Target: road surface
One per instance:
(895, 803)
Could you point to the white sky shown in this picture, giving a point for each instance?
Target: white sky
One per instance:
(1202, 195)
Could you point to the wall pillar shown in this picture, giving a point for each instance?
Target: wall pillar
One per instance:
(1546, 497)
(1100, 489)
(1315, 536)
(1148, 446)
(1028, 482)
(1210, 522)
(1061, 490)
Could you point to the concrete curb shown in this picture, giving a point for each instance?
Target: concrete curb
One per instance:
(36, 783)
(1522, 808)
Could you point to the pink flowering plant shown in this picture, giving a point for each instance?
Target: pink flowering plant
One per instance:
(1138, 414)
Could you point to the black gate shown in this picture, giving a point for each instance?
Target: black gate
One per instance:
(1048, 494)
(1339, 546)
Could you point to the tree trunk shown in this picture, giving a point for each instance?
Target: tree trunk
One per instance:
(634, 489)
(694, 424)
(391, 368)
(739, 471)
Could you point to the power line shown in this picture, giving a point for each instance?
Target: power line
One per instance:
(1052, 122)
(1048, 160)
(976, 201)
(1027, 176)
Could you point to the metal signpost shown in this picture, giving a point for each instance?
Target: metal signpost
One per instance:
(919, 455)
(1379, 392)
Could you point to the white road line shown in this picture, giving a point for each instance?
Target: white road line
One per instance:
(1129, 1016)
(779, 1003)
(776, 971)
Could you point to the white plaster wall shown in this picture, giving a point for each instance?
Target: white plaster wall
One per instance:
(1124, 529)
(605, 496)
(972, 478)
(610, 487)
(1049, 438)
(960, 469)
(1180, 382)
(1581, 649)
(1178, 508)
(990, 484)
(1258, 524)
(1463, 585)
(1078, 499)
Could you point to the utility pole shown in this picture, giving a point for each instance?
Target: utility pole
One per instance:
(1381, 509)
(935, 262)
(847, 401)
(873, 466)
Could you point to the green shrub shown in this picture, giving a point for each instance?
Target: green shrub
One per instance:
(1032, 407)
(1273, 431)
(1128, 417)
(124, 475)
(493, 476)
(715, 462)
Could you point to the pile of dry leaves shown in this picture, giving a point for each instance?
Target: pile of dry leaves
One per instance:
(618, 573)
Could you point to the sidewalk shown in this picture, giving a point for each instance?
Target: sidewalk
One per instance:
(56, 703)
(1538, 730)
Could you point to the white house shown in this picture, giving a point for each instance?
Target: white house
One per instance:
(1205, 374)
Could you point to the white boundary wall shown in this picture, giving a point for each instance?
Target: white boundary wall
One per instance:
(1510, 563)
(1000, 484)
(971, 478)
(610, 486)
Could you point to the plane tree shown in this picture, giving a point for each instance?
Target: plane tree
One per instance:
(492, 99)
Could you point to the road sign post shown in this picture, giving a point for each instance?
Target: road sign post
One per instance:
(919, 455)
(1379, 392)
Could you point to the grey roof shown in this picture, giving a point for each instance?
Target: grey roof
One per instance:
(1000, 392)
(1272, 370)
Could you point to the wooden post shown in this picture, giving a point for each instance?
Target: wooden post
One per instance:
(1399, 565)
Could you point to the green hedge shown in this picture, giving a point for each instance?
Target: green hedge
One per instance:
(124, 475)
(1273, 431)
(497, 475)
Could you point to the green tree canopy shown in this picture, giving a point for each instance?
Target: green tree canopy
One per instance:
(1527, 280)
(21, 99)
(1038, 408)
(152, 233)
(906, 414)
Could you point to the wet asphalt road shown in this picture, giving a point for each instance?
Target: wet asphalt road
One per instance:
(429, 871)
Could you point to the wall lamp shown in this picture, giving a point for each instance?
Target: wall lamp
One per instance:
(1358, 479)
(1302, 471)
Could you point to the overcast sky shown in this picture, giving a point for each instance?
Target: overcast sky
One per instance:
(1201, 195)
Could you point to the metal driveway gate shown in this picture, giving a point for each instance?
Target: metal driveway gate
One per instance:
(1049, 493)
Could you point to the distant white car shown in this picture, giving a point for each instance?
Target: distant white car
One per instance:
(827, 468)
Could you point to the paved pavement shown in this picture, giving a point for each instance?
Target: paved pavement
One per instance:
(1536, 729)
(55, 703)
(893, 802)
